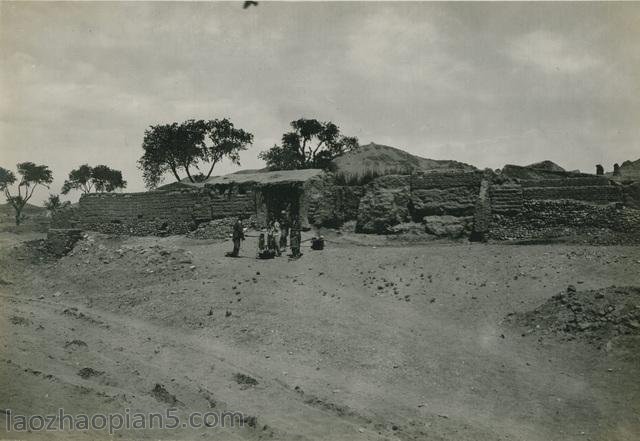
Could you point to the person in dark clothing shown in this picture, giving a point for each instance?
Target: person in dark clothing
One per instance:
(295, 239)
(238, 237)
(317, 243)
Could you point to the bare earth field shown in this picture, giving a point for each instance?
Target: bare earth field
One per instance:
(395, 341)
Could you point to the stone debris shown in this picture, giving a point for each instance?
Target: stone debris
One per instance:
(596, 315)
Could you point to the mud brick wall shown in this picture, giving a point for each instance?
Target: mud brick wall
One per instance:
(446, 179)
(579, 181)
(507, 198)
(127, 207)
(597, 194)
(217, 205)
(444, 193)
(155, 212)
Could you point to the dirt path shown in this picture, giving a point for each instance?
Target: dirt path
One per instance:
(353, 342)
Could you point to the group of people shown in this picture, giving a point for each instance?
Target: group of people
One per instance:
(272, 241)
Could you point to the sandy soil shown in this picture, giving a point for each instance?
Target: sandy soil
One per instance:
(394, 341)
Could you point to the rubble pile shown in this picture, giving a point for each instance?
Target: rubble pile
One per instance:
(215, 229)
(97, 249)
(219, 228)
(590, 315)
(143, 228)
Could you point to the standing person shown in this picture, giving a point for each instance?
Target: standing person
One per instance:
(276, 237)
(237, 236)
(262, 245)
(295, 239)
(270, 241)
(284, 227)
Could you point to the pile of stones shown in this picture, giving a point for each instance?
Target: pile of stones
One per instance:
(215, 229)
(590, 315)
(219, 228)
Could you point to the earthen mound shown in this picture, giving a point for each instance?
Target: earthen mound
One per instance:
(594, 316)
(372, 160)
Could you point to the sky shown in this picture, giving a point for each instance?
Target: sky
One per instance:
(483, 83)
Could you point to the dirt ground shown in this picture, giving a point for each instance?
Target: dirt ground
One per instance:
(368, 339)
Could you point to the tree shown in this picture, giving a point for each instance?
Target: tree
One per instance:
(177, 147)
(225, 142)
(107, 179)
(79, 179)
(311, 144)
(99, 178)
(54, 204)
(31, 176)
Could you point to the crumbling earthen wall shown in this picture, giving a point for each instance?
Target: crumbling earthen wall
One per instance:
(330, 204)
(155, 212)
(393, 199)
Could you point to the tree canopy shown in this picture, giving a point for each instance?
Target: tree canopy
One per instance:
(31, 176)
(180, 147)
(99, 178)
(311, 144)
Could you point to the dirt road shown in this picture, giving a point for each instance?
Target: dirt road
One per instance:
(353, 342)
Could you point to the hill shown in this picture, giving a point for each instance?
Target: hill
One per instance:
(546, 165)
(375, 160)
(34, 219)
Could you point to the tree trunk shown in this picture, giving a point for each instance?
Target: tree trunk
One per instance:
(211, 169)
(18, 213)
(175, 173)
(186, 168)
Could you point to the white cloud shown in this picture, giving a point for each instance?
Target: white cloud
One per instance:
(551, 53)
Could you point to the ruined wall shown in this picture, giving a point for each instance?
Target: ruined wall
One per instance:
(394, 199)
(558, 206)
(385, 203)
(329, 204)
(155, 212)
(560, 218)
(595, 194)
(508, 197)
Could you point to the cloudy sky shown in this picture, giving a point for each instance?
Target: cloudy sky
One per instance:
(486, 84)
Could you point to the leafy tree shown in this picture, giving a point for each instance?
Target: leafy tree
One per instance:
(107, 179)
(99, 178)
(177, 147)
(53, 203)
(311, 144)
(31, 176)
(225, 142)
(79, 179)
